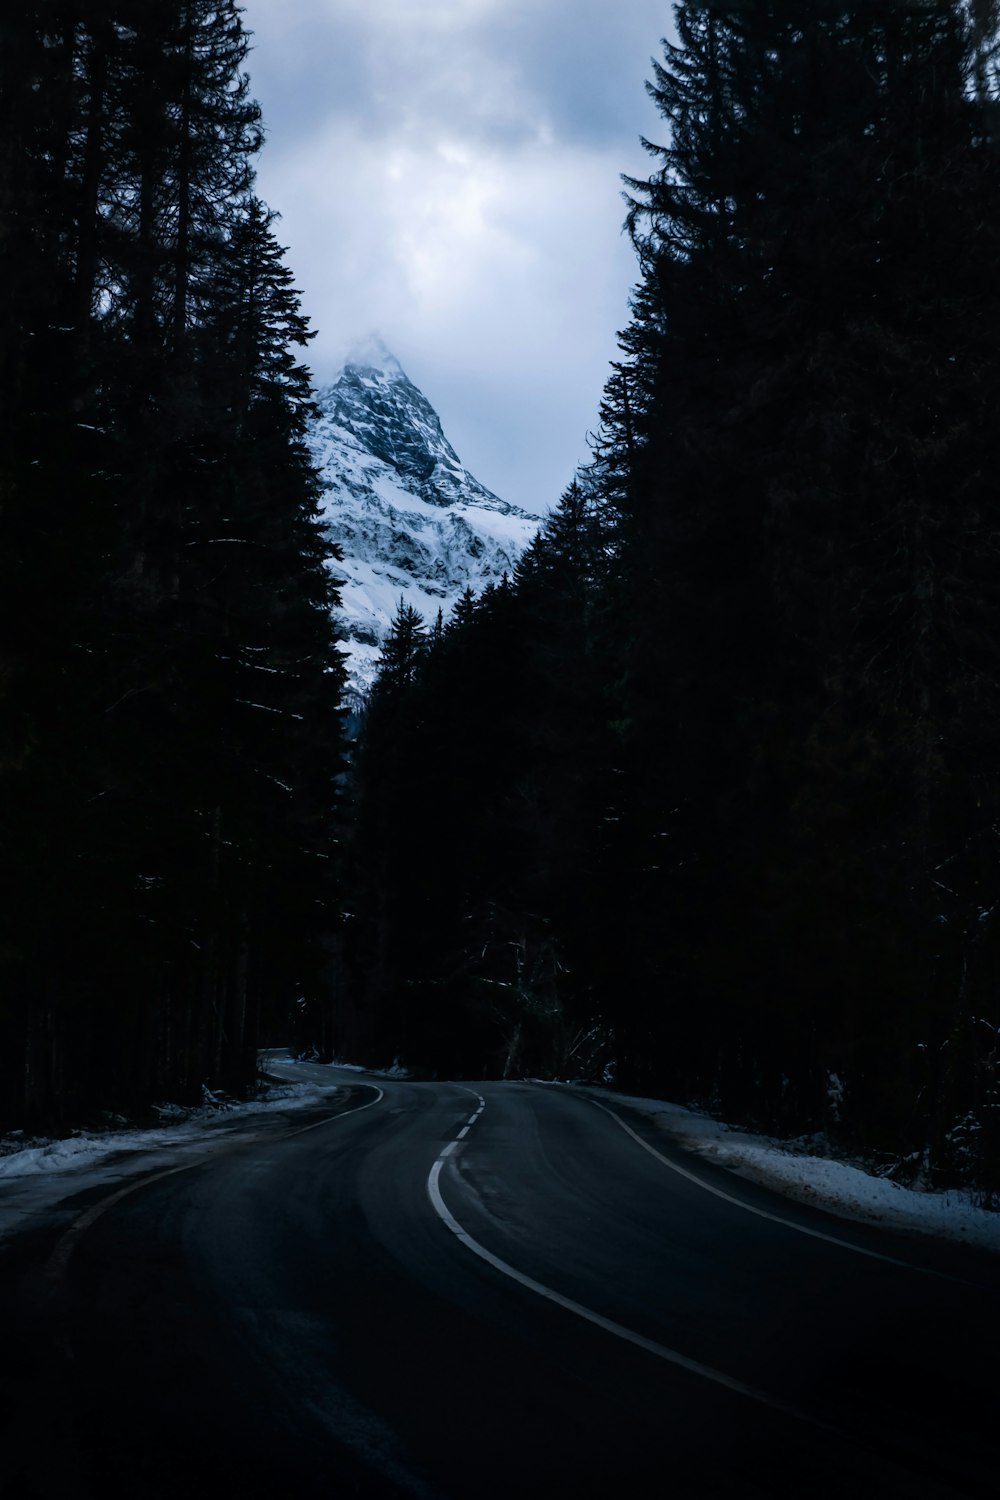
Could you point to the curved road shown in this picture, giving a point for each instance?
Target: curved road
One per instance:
(486, 1290)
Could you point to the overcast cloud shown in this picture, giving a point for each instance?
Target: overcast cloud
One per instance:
(448, 175)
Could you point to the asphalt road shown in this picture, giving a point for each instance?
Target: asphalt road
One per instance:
(374, 1300)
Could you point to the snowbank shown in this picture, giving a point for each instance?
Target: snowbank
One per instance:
(25, 1156)
(840, 1187)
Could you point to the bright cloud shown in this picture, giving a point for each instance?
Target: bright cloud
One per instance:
(448, 173)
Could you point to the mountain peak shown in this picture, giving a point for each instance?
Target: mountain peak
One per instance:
(372, 353)
(376, 402)
(410, 519)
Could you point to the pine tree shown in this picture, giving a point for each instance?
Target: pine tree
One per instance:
(257, 596)
(464, 609)
(178, 875)
(403, 650)
(801, 481)
(56, 518)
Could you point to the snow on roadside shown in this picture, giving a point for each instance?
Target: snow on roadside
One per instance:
(25, 1156)
(396, 1071)
(839, 1187)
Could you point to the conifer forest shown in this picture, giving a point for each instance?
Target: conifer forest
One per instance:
(704, 799)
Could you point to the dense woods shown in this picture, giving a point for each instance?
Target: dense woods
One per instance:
(170, 678)
(704, 798)
(707, 793)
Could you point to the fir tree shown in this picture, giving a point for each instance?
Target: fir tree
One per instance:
(800, 483)
(403, 650)
(178, 881)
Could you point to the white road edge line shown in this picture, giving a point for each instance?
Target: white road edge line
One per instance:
(762, 1213)
(671, 1356)
(55, 1266)
(343, 1114)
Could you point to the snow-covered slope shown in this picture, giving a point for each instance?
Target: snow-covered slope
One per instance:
(410, 518)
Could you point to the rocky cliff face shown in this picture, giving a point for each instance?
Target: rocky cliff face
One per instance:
(411, 520)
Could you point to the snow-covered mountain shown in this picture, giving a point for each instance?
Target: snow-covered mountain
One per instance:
(410, 518)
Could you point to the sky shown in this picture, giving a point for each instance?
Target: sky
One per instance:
(448, 174)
